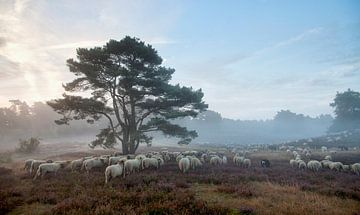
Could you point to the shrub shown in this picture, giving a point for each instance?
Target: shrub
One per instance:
(28, 146)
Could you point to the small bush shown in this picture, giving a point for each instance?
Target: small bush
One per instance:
(28, 146)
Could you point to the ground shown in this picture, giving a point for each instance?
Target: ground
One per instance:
(226, 189)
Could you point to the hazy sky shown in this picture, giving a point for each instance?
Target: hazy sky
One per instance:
(251, 58)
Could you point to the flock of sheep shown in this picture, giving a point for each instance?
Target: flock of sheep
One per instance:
(119, 165)
(315, 165)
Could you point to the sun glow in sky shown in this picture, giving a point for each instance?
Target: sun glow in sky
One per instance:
(251, 58)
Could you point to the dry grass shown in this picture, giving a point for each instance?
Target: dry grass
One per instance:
(269, 198)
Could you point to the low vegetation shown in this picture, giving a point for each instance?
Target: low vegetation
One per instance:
(226, 189)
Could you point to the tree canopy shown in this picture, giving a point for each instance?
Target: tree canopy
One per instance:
(347, 111)
(128, 86)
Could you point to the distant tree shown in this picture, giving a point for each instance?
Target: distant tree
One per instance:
(28, 146)
(347, 111)
(131, 89)
(288, 116)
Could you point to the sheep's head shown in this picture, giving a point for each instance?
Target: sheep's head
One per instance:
(121, 161)
(49, 161)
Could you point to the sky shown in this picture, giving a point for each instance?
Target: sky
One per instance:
(250, 58)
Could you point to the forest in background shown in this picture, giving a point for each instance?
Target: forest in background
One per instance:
(21, 121)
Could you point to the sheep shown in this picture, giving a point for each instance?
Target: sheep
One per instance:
(247, 163)
(27, 165)
(178, 158)
(114, 171)
(203, 158)
(265, 163)
(36, 163)
(314, 165)
(346, 167)
(224, 159)
(64, 163)
(150, 162)
(140, 157)
(328, 157)
(114, 160)
(184, 164)
(160, 159)
(131, 165)
(238, 160)
(326, 163)
(216, 160)
(47, 168)
(298, 157)
(93, 163)
(293, 163)
(195, 162)
(301, 164)
(76, 164)
(336, 166)
(167, 157)
(295, 153)
(356, 168)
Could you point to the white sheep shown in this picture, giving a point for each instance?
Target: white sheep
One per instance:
(346, 167)
(47, 168)
(328, 157)
(140, 157)
(27, 165)
(203, 158)
(93, 163)
(326, 163)
(150, 162)
(184, 164)
(115, 159)
(336, 166)
(224, 159)
(216, 160)
(131, 165)
(76, 164)
(356, 168)
(238, 160)
(293, 163)
(195, 162)
(247, 163)
(295, 153)
(160, 159)
(301, 164)
(114, 171)
(36, 163)
(314, 165)
(178, 158)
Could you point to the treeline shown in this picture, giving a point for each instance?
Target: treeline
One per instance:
(285, 126)
(20, 121)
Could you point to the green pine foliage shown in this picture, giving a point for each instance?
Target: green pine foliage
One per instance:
(129, 87)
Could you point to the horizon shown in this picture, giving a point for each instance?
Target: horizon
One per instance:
(213, 46)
